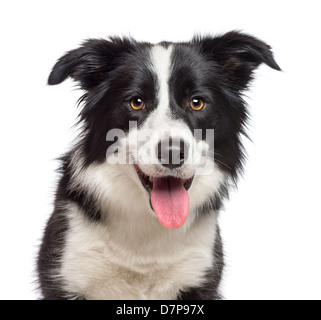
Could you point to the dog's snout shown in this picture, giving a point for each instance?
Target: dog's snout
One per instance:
(172, 153)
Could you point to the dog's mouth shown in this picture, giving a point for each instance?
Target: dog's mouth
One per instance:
(169, 197)
(148, 181)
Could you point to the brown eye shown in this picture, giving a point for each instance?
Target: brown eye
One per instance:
(137, 103)
(197, 104)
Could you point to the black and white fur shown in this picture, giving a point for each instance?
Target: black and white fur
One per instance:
(103, 240)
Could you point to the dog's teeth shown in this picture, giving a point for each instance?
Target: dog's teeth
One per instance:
(151, 179)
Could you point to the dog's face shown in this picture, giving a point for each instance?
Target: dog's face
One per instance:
(172, 111)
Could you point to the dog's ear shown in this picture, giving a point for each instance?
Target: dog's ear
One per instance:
(237, 56)
(90, 63)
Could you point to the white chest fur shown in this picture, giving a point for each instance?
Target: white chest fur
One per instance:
(136, 260)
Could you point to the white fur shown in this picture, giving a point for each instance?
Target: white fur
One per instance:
(129, 254)
(113, 261)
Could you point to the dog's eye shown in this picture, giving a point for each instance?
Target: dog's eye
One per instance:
(137, 103)
(197, 104)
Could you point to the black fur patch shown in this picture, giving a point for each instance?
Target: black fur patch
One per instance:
(50, 254)
(80, 196)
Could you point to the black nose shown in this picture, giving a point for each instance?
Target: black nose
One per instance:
(172, 153)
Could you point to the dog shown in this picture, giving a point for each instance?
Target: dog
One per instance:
(137, 203)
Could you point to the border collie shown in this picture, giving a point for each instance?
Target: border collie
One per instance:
(136, 208)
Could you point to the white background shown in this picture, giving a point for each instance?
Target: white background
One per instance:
(272, 224)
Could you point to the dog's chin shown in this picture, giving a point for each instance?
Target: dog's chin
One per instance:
(148, 181)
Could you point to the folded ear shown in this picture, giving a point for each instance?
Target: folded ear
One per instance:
(90, 63)
(237, 56)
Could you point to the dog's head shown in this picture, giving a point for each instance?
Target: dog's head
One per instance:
(172, 111)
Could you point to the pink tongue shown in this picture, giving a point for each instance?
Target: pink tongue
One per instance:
(170, 201)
